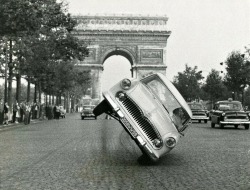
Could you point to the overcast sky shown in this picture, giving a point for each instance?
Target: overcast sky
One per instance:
(204, 32)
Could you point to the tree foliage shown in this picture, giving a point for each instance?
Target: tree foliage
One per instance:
(214, 86)
(238, 71)
(189, 83)
(42, 43)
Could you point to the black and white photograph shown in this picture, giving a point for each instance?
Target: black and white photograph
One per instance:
(124, 95)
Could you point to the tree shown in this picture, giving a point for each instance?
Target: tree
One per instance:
(215, 87)
(238, 71)
(38, 35)
(189, 83)
(247, 97)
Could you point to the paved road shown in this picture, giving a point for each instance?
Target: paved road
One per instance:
(71, 154)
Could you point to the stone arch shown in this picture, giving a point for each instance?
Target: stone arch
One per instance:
(122, 52)
(119, 51)
(140, 39)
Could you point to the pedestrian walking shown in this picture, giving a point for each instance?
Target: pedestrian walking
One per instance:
(6, 113)
(22, 111)
(57, 112)
(27, 109)
(15, 112)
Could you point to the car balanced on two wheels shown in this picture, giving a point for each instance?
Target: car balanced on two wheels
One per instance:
(151, 110)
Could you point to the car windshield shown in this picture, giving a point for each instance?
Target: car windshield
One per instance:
(88, 107)
(178, 114)
(230, 106)
(196, 106)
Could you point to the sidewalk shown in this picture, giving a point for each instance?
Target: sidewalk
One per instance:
(11, 125)
(32, 121)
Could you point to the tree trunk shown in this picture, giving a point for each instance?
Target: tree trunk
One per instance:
(72, 104)
(39, 92)
(18, 88)
(242, 98)
(28, 90)
(6, 77)
(10, 101)
(35, 92)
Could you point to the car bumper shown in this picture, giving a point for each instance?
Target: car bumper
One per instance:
(88, 115)
(235, 122)
(200, 118)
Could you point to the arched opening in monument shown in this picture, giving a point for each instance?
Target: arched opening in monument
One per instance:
(115, 68)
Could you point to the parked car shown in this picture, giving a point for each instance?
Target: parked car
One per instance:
(229, 112)
(87, 111)
(151, 110)
(200, 113)
(62, 112)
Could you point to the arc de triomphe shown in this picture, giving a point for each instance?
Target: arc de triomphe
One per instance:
(140, 39)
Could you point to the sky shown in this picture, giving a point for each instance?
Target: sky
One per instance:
(204, 32)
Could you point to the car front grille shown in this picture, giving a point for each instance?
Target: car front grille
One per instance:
(236, 117)
(198, 113)
(146, 126)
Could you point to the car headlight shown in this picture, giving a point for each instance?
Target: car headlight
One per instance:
(157, 143)
(170, 142)
(121, 96)
(126, 84)
(223, 114)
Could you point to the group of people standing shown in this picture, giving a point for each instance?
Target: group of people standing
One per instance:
(26, 111)
(20, 113)
(54, 111)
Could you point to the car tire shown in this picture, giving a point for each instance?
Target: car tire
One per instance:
(95, 118)
(205, 121)
(82, 118)
(212, 124)
(246, 126)
(236, 126)
(101, 108)
(221, 126)
(199, 121)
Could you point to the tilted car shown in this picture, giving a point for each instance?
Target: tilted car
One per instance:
(87, 111)
(229, 112)
(199, 112)
(151, 110)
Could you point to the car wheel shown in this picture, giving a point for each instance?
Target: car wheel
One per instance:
(95, 117)
(205, 121)
(101, 108)
(212, 124)
(246, 126)
(236, 126)
(221, 126)
(82, 118)
(199, 121)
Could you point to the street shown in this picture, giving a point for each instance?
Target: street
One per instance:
(74, 154)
